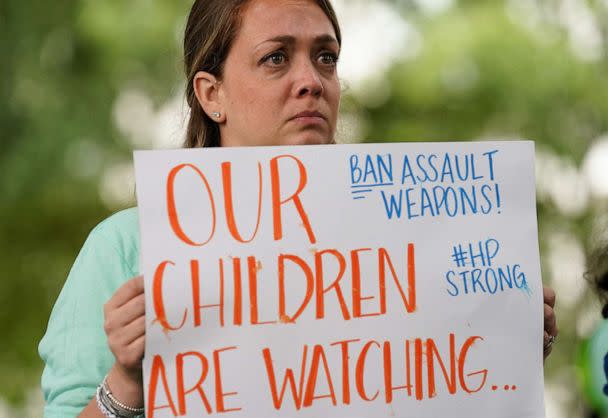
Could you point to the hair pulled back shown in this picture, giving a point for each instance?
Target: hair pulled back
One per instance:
(597, 275)
(211, 28)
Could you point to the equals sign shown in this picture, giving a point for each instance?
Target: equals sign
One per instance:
(359, 194)
(360, 189)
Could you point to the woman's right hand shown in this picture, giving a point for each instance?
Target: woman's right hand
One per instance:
(125, 328)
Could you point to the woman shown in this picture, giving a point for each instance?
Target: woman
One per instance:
(593, 353)
(598, 276)
(260, 72)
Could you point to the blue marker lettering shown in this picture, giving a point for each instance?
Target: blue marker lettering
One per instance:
(448, 277)
(407, 171)
(490, 155)
(354, 169)
(392, 205)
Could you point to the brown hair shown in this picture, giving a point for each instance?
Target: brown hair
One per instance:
(597, 275)
(211, 28)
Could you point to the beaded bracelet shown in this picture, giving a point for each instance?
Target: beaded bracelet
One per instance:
(105, 411)
(112, 407)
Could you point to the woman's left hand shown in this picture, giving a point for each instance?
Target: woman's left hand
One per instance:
(550, 321)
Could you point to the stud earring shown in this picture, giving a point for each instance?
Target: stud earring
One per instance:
(216, 115)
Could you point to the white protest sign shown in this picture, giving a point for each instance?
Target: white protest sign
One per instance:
(370, 280)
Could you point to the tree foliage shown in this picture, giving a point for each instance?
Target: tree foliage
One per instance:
(64, 64)
(487, 72)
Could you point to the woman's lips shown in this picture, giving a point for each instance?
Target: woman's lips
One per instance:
(309, 118)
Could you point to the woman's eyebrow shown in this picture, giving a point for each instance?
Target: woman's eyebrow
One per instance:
(291, 40)
(326, 39)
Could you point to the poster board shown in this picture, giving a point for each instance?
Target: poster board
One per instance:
(368, 280)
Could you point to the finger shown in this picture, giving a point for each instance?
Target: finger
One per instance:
(132, 331)
(127, 313)
(126, 292)
(547, 349)
(550, 323)
(131, 310)
(549, 296)
(120, 341)
(138, 346)
(130, 356)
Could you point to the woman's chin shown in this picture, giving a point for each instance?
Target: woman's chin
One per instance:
(304, 137)
(308, 138)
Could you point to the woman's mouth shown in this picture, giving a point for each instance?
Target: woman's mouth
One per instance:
(309, 118)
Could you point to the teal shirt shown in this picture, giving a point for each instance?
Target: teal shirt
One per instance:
(593, 368)
(74, 348)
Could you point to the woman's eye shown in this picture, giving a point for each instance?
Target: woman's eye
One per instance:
(328, 58)
(276, 58)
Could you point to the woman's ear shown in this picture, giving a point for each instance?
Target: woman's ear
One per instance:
(206, 88)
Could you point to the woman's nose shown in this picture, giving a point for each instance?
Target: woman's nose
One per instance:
(308, 80)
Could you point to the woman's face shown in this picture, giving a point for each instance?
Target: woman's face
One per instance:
(280, 85)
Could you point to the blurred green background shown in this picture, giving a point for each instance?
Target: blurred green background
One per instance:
(84, 82)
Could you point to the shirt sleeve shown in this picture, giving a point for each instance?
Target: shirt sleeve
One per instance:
(74, 348)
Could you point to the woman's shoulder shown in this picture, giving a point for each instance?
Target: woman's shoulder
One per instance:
(125, 221)
(119, 233)
(74, 347)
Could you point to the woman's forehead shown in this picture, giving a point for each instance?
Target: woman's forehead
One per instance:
(262, 20)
